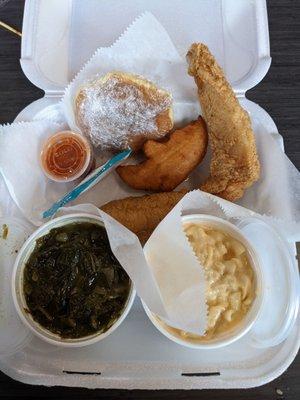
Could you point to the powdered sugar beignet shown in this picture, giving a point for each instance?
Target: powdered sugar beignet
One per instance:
(120, 110)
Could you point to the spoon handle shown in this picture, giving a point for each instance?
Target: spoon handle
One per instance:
(88, 182)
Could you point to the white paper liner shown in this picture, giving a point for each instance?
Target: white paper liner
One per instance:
(20, 148)
(178, 271)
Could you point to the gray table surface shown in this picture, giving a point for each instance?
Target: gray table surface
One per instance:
(278, 94)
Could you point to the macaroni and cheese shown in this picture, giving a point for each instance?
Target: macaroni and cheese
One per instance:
(230, 289)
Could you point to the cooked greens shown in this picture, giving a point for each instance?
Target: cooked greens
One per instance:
(73, 284)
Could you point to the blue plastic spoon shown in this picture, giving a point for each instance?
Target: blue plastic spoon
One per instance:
(88, 182)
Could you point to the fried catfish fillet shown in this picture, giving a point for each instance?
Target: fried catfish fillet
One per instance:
(142, 214)
(234, 165)
(170, 162)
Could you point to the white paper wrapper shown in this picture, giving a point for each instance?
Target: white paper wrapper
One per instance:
(20, 148)
(277, 192)
(171, 15)
(178, 271)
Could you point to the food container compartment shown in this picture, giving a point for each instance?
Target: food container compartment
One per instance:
(19, 298)
(245, 325)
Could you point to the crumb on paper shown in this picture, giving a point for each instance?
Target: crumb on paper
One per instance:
(4, 231)
(279, 392)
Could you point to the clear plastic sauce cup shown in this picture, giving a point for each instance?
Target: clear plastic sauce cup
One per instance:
(66, 156)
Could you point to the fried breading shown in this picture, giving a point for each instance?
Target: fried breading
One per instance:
(170, 162)
(142, 214)
(234, 165)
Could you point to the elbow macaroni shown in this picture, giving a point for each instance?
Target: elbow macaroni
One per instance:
(230, 289)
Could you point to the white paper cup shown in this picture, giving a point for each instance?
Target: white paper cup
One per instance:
(19, 298)
(245, 325)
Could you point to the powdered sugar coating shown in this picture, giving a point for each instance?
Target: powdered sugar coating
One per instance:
(118, 110)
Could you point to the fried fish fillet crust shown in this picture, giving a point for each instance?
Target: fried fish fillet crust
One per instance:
(142, 214)
(170, 162)
(234, 165)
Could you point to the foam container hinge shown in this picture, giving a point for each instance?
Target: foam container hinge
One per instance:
(58, 37)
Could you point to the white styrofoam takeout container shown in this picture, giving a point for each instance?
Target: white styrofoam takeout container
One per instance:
(58, 37)
(242, 328)
(18, 292)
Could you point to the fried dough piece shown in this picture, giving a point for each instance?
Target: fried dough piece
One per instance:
(234, 165)
(168, 163)
(142, 214)
(121, 110)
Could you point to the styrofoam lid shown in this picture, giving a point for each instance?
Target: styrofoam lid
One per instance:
(59, 36)
(13, 334)
(280, 280)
